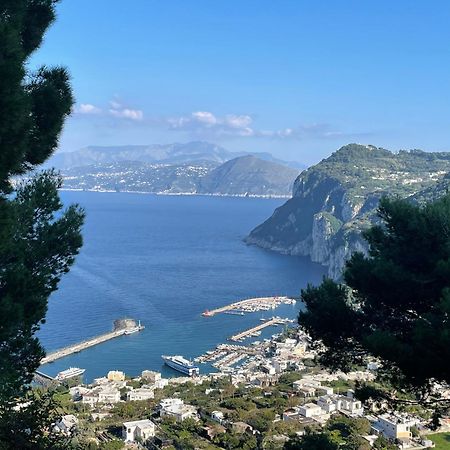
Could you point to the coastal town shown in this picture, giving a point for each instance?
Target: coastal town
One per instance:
(262, 395)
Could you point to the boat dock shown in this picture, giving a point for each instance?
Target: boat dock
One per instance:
(122, 327)
(44, 380)
(255, 330)
(251, 305)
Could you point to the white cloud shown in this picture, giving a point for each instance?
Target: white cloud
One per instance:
(87, 108)
(207, 125)
(122, 112)
(127, 113)
(115, 104)
(205, 122)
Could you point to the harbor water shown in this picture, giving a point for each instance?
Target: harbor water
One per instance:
(164, 260)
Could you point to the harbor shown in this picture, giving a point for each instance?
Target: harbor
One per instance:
(121, 327)
(251, 305)
(256, 331)
(225, 357)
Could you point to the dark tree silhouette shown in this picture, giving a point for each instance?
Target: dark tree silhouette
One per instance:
(395, 303)
(38, 238)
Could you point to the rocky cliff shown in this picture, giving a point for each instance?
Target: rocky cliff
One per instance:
(336, 199)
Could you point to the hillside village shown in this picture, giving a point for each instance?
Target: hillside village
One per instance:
(265, 403)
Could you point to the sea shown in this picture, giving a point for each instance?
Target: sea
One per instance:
(164, 260)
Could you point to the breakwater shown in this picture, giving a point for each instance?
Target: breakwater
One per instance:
(251, 305)
(251, 331)
(121, 327)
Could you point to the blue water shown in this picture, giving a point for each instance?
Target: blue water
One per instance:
(164, 260)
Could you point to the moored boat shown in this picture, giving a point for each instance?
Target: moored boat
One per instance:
(181, 365)
(71, 372)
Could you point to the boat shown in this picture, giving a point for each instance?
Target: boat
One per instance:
(207, 313)
(235, 313)
(181, 365)
(71, 372)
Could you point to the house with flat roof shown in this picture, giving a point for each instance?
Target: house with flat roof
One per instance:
(140, 394)
(175, 407)
(138, 430)
(394, 426)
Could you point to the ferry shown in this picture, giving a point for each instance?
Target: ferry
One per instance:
(71, 372)
(181, 364)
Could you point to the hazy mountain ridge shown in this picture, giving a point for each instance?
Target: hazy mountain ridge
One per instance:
(246, 175)
(249, 175)
(337, 198)
(177, 153)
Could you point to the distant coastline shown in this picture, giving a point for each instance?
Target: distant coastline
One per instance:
(177, 193)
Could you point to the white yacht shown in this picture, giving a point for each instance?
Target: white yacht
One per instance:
(181, 364)
(71, 372)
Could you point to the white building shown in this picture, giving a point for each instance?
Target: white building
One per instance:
(279, 364)
(327, 404)
(150, 376)
(77, 392)
(140, 430)
(342, 403)
(269, 369)
(310, 410)
(116, 375)
(217, 416)
(394, 426)
(101, 394)
(66, 424)
(161, 383)
(140, 394)
(175, 407)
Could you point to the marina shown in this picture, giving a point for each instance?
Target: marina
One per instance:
(256, 331)
(251, 305)
(226, 357)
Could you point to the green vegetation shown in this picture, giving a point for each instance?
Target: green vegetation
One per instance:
(38, 239)
(395, 302)
(340, 433)
(441, 440)
(336, 200)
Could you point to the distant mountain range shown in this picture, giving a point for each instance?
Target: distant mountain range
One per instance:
(250, 175)
(191, 152)
(192, 168)
(337, 198)
(243, 176)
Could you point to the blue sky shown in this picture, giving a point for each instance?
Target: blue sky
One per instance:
(296, 78)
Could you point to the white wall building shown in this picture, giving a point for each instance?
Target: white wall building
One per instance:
(150, 376)
(66, 424)
(310, 410)
(175, 407)
(101, 394)
(393, 426)
(140, 394)
(217, 416)
(140, 430)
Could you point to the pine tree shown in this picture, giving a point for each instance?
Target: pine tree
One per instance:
(38, 238)
(395, 302)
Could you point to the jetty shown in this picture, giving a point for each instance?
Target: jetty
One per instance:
(121, 327)
(251, 305)
(253, 331)
(45, 380)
